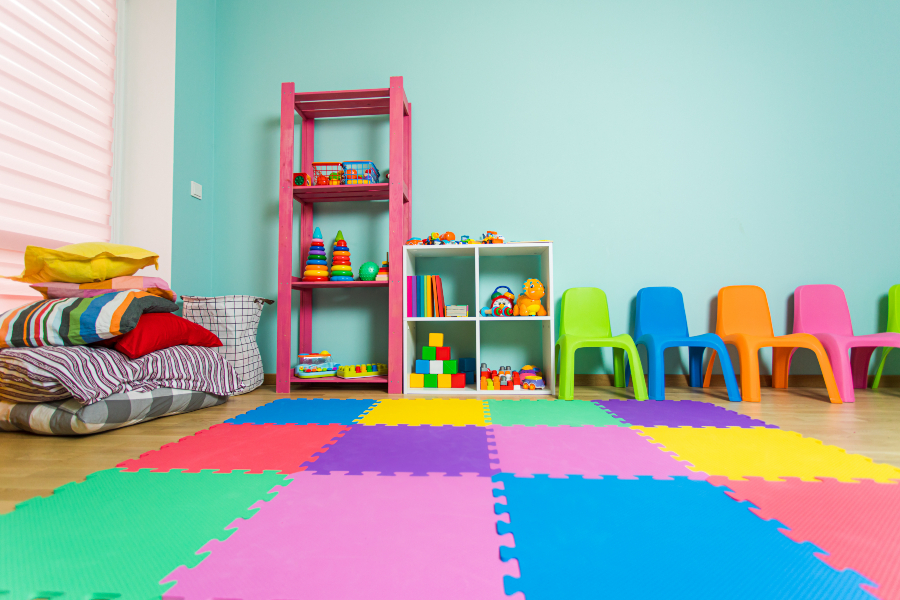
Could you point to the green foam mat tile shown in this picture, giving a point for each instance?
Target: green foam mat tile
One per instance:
(118, 534)
(550, 412)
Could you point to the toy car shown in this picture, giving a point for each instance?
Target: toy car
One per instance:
(414, 241)
(491, 237)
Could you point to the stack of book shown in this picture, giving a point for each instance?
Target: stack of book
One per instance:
(424, 296)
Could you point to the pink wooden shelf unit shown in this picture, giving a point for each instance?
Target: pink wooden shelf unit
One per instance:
(324, 105)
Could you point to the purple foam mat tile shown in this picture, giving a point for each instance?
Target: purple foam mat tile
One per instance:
(677, 413)
(419, 450)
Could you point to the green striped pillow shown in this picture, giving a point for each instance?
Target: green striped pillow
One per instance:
(78, 321)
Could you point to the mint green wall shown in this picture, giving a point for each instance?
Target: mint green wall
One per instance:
(695, 144)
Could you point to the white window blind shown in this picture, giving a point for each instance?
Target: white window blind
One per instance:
(57, 78)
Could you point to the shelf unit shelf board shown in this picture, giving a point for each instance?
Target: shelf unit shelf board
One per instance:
(374, 379)
(430, 319)
(300, 285)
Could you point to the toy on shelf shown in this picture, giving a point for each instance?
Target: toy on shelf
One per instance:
(316, 264)
(491, 237)
(457, 310)
(448, 236)
(360, 172)
(501, 303)
(383, 272)
(316, 365)
(413, 241)
(328, 173)
(436, 370)
(504, 378)
(531, 378)
(368, 271)
(358, 371)
(434, 239)
(302, 179)
(340, 260)
(528, 303)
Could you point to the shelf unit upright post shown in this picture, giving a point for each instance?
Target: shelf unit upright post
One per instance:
(310, 106)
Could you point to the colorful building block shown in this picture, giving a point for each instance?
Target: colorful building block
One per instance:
(435, 339)
(423, 367)
(466, 365)
(445, 381)
(431, 381)
(436, 367)
(470, 376)
(458, 380)
(442, 353)
(429, 353)
(416, 380)
(450, 367)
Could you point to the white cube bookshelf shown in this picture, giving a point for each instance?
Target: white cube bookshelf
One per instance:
(475, 252)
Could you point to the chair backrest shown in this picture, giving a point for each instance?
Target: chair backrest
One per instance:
(893, 324)
(821, 309)
(743, 309)
(584, 311)
(660, 311)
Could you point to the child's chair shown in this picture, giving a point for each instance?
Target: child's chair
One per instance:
(743, 320)
(822, 311)
(893, 326)
(660, 323)
(584, 323)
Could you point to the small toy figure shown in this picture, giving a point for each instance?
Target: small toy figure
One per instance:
(434, 239)
(528, 303)
(491, 237)
(501, 303)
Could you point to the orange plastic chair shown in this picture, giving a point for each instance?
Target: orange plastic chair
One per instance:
(744, 321)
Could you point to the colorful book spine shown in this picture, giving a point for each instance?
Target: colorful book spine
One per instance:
(429, 304)
(420, 291)
(410, 296)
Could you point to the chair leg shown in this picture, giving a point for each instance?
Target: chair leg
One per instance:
(884, 355)
(695, 366)
(709, 369)
(637, 371)
(566, 374)
(859, 365)
(749, 373)
(656, 365)
(619, 368)
(731, 383)
(825, 365)
(781, 366)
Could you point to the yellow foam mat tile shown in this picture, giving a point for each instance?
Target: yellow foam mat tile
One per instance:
(736, 453)
(436, 411)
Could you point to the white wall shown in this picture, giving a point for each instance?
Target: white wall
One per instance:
(142, 196)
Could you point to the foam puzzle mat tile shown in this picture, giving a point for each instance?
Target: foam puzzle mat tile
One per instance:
(646, 538)
(549, 412)
(857, 524)
(677, 413)
(407, 449)
(118, 534)
(435, 411)
(303, 411)
(253, 448)
(359, 536)
(768, 453)
(588, 450)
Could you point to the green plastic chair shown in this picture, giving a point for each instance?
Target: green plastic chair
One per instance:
(584, 323)
(893, 326)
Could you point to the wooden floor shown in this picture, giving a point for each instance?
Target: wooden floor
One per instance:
(32, 465)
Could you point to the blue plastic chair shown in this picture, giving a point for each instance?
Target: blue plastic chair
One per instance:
(661, 323)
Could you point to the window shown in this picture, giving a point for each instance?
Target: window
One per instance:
(57, 78)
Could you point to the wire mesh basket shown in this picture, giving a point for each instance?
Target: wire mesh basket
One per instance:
(360, 172)
(328, 173)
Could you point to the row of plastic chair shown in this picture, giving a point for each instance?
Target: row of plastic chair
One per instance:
(821, 324)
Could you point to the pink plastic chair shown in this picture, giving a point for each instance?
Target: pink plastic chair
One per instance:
(822, 311)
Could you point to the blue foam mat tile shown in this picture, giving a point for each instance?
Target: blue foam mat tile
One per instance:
(303, 411)
(646, 538)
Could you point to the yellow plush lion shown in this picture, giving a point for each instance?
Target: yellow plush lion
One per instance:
(528, 304)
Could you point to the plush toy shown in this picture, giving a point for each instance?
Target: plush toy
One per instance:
(528, 303)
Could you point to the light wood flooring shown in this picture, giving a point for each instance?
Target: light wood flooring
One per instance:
(32, 465)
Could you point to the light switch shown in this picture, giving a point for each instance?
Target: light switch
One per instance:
(196, 190)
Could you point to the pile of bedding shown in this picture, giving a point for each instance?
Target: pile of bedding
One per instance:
(103, 354)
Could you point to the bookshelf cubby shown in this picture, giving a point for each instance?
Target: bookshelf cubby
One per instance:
(459, 266)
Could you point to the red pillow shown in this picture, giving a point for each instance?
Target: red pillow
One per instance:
(157, 331)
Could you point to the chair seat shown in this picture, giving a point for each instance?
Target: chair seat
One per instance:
(704, 340)
(791, 340)
(873, 340)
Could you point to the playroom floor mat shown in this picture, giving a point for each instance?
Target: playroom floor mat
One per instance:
(461, 498)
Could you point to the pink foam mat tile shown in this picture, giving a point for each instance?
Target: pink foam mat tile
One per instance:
(359, 536)
(589, 451)
(856, 524)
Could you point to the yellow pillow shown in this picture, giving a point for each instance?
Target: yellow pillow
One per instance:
(84, 263)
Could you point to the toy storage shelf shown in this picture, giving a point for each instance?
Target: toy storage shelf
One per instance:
(310, 106)
(476, 252)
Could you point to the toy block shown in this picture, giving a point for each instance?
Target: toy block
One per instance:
(450, 367)
(515, 378)
(506, 387)
(485, 374)
(458, 380)
(436, 367)
(442, 353)
(496, 381)
(423, 367)
(484, 382)
(429, 353)
(445, 381)
(431, 381)
(466, 365)
(436, 339)
(470, 377)
(416, 380)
